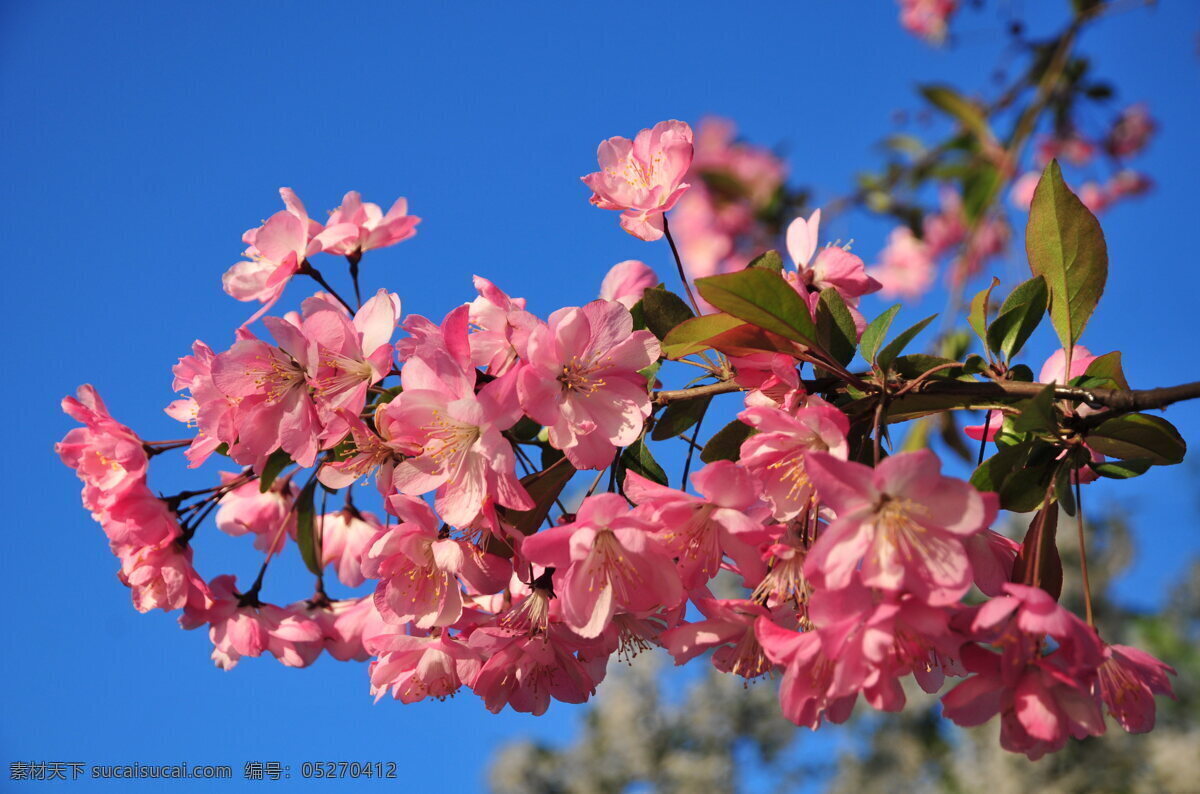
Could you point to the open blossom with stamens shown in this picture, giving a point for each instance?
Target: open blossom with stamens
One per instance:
(374, 228)
(832, 267)
(643, 177)
(212, 412)
(728, 627)
(276, 409)
(369, 452)
(525, 672)
(419, 568)
(463, 453)
(606, 562)
(581, 380)
(1128, 680)
(807, 675)
(776, 454)
(414, 668)
(106, 455)
(348, 355)
(277, 250)
(904, 521)
(699, 532)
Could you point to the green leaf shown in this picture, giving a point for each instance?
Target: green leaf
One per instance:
(874, 334)
(1019, 316)
(762, 298)
(990, 474)
(305, 520)
(663, 310)
(977, 316)
(1139, 436)
(897, 345)
(277, 462)
(1023, 490)
(979, 188)
(1037, 413)
(1122, 469)
(1065, 245)
(679, 416)
(637, 458)
(958, 107)
(691, 335)
(1107, 370)
(836, 331)
(770, 260)
(726, 443)
(543, 487)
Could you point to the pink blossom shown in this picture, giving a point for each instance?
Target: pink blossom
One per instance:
(241, 626)
(607, 561)
(729, 627)
(212, 412)
(277, 250)
(368, 452)
(1021, 194)
(904, 521)
(269, 516)
(757, 171)
(419, 567)
(1018, 621)
(374, 228)
(1128, 680)
(1131, 131)
(162, 577)
(345, 538)
(1073, 148)
(943, 230)
(643, 177)
(833, 267)
(626, 281)
(905, 268)
(1041, 702)
(928, 19)
(136, 517)
(700, 531)
(106, 455)
(525, 672)
(581, 380)
(502, 328)
(276, 409)
(776, 455)
(464, 455)
(414, 668)
(808, 675)
(344, 624)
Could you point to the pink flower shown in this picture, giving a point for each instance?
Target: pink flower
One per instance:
(1019, 621)
(1041, 702)
(106, 455)
(503, 328)
(415, 668)
(1131, 131)
(905, 268)
(277, 250)
(626, 281)
(643, 177)
(136, 518)
(606, 562)
(757, 171)
(581, 380)
(1021, 194)
(808, 675)
(776, 455)
(276, 409)
(208, 409)
(367, 452)
(241, 627)
(928, 19)
(905, 522)
(1128, 680)
(162, 577)
(464, 455)
(418, 568)
(525, 672)
(345, 624)
(374, 229)
(345, 538)
(700, 531)
(268, 516)
(942, 231)
(729, 628)
(833, 267)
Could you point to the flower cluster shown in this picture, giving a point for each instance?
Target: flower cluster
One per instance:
(854, 575)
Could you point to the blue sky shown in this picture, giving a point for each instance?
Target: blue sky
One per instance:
(140, 140)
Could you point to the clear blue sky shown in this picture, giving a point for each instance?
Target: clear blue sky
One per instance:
(140, 140)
